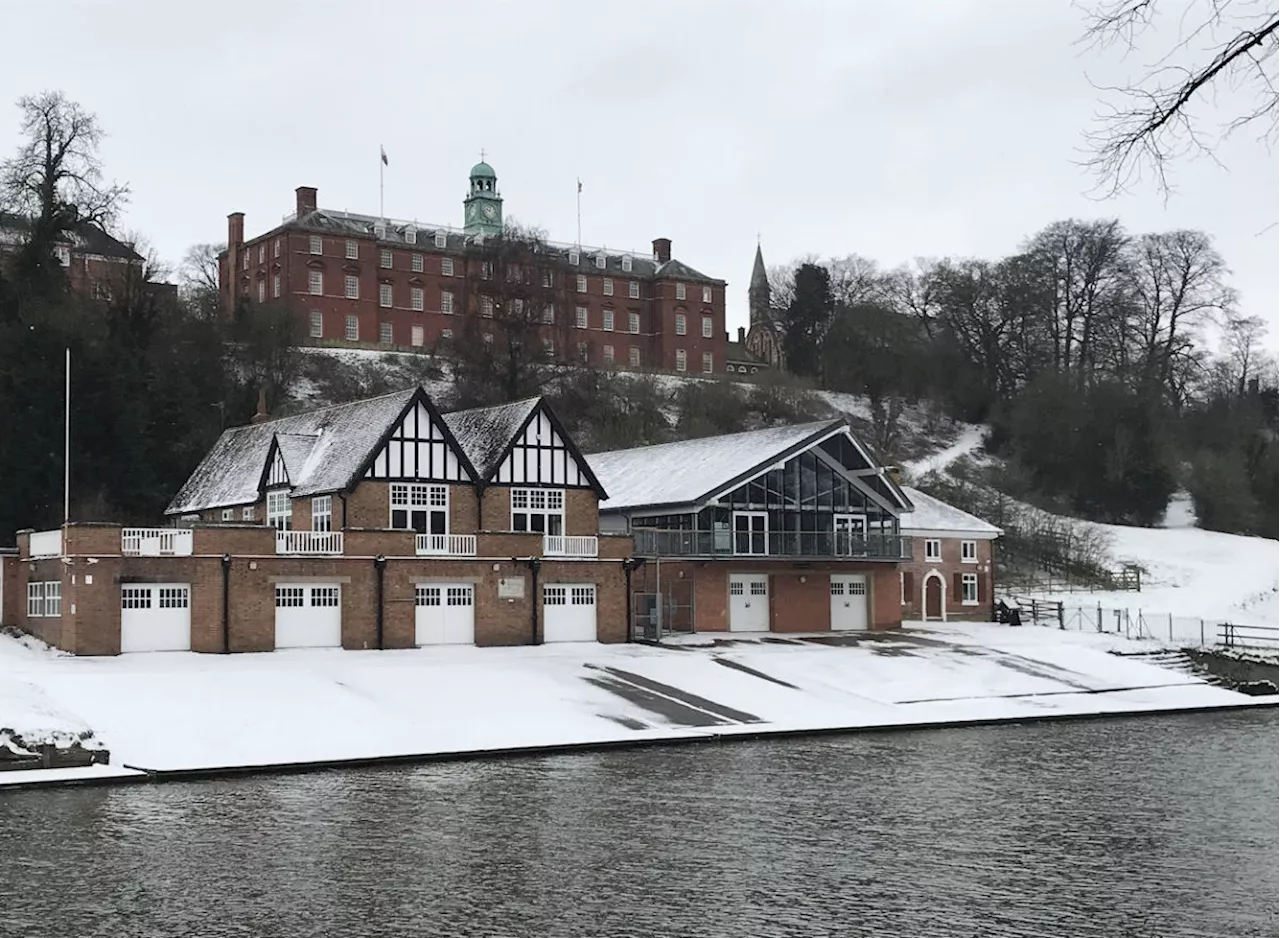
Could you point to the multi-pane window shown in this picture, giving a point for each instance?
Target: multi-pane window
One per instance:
(262, 290)
(442, 239)
(600, 261)
(44, 599)
(626, 263)
(486, 307)
(549, 313)
(607, 320)
(417, 299)
(315, 282)
(969, 551)
(262, 253)
(325, 596)
(244, 258)
(322, 513)
(681, 326)
(580, 317)
(681, 360)
(446, 333)
(278, 513)
(384, 294)
(411, 235)
(247, 513)
(353, 250)
(415, 263)
(290, 597)
(706, 294)
(228, 514)
(607, 352)
(316, 244)
(607, 286)
(969, 589)
(135, 597)
(679, 291)
(708, 327)
(932, 549)
(547, 278)
(486, 270)
(384, 259)
(708, 362)
(633, 289)
(351, 285)
(275, 285)
(353, 329)
(446, 266)
(633, 357)
(582, 351)
(416, 506)
(384, 333)
(275, 248)
(416, 335)
(573, 258)
(582, 283)
(540, 510)
(379, 231)
(633, 323)
(446, 301)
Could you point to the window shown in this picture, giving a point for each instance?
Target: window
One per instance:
(486, 270)
(415, 263)
(35, 600)
(315, 282)
(275, 285)
(633, 357)
(446, 266)
(750, 532)
(247, 513)
(228, 514)
(607, 352)
(63, 254)
(418, 507)
(262, 253)
(681, 360)
(288, 597)
(244, 259)
(135, 597)
(580, 317)
(547, 278)
(262, 290)
(626, 263)
(411, 235)
(416, 336)
(707, 327)
(633, 289)
(708, 363)
(582, 283)
(353, 329)
(316, 244)
(446, 333)
(384, 260)
(706, 294)
(969, 589)
(384, 333)
(681, 326)
(607, 320)
(275, 248)
(486, 307)
(549, 345)
(607, 284)
(278, 511)
(379, 231)
(902, 587)
(353, 250)
(352, 286)
(322, 513)
(600, 261)
(933, 549)
(540, 510)
(417, 300)
(517, 308)
(442, 239)
(582, 351)
(633, 323)
(573, 258)
(384, 295)
(969, 551)
(446, 302)
(549, 313)
(679, 291)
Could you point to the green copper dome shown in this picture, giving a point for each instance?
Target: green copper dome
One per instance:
(483, 169)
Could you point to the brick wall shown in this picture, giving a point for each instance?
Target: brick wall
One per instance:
(949, 567)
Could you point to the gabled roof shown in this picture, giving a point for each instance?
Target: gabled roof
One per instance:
(934, 516)
(691, 471)
(485, 433)
(678, 269)
(344, 439)
(84, 238)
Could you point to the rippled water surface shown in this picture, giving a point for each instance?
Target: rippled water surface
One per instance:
(1139, 827)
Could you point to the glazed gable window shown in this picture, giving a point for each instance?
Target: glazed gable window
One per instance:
(419, 507)
(278, 509)
(539, 510)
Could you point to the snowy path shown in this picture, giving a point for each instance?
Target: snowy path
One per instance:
(969, 441)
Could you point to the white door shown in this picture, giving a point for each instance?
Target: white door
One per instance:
(569, 612)
(848, 602)
(308, 615)
(155, 617)
(444, 614)
(748, 602)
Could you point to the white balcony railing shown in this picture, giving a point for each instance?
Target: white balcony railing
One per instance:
(156, 542)
(446, 545)
(308, 542)
(46, 543)
(563, 545)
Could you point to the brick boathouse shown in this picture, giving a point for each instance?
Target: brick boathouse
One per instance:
(377, 524)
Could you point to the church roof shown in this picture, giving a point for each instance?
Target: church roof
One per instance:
(759, 276)
(483, 169)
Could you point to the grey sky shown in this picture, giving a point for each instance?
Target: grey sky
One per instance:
(886, 129)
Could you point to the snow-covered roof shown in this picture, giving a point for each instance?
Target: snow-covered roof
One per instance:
(342, 438)
(931, 515)
(484, 433)
(690, 471)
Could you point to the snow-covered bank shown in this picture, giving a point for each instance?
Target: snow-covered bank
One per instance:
(181, 711)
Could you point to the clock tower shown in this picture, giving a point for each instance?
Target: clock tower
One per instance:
(482, 207)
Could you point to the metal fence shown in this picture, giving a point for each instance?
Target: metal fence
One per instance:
(1189, 631)
(655, 614)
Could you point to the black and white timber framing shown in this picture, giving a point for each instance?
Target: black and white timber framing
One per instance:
(419, 448)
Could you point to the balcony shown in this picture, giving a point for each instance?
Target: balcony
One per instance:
(564, 545)
(309, 543)
(45, 544)
(446, 545)
(807, 545)
(156, 542)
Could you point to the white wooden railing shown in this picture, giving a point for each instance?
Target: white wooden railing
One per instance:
(564, 545)
(45, 543)
(156, 542)
(447, 545)
(308, 542)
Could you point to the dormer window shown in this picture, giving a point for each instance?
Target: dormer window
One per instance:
(600, 261)
(573, 258)
(626, 263)
(442, 239)
(379, 231)
(411, 235)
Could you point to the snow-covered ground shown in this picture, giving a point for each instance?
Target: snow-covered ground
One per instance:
(185, 711)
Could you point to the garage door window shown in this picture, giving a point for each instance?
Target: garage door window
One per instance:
(173, 597)
(135, 597)
(555, 596)
(582, 595)
(324, 596)
(289, 597)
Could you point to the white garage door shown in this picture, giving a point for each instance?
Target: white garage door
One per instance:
(308, 615)
(748, 602)
(569, 612)
(848, 601)
(444, 614)
(155, 617)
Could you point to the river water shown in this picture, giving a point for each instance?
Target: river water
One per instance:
(1153, 827)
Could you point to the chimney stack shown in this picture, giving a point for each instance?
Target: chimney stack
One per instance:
(662, 250)
(235, 247)
(261, 416)
(742, 335)
(306, 200)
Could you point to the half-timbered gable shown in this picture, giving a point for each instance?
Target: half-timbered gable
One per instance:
(275, 474)
(419, 449)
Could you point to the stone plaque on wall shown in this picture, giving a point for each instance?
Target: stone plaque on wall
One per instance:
(511, 587)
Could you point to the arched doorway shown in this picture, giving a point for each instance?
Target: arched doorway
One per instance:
(935, 596)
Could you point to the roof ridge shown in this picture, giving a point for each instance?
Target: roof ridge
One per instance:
(329, 407)
(830, 421)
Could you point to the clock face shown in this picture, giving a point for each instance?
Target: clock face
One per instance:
(490, 212)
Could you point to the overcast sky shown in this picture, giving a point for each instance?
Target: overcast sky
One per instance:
(887, 129)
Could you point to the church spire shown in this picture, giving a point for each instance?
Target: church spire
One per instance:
(758, 299)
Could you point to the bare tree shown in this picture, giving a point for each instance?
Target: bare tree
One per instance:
(55, 178)
(198, 278)
(1245, 354)
(1224, 47)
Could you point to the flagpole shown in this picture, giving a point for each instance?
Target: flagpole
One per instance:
(579, 213)
(66, 448)
(382, 166)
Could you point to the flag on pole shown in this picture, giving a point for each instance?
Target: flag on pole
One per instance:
(384, 156)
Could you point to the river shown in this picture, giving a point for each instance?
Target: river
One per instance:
(1155, 827)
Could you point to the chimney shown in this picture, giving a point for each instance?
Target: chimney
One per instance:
(261, 416)
(662, 250)
(235, 247)
(306, 200)
(235, 230)
(742, 335)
